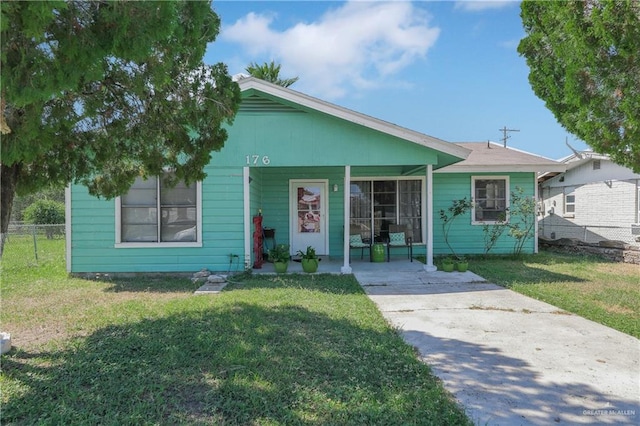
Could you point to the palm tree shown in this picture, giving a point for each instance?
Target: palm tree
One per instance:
(269, 72)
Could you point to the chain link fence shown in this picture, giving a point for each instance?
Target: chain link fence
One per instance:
(34, 234)
(591, 233)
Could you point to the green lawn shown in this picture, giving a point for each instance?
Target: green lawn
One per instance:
(309, 350)
(604, 292)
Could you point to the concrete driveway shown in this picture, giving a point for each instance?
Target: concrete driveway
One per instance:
(510, 359)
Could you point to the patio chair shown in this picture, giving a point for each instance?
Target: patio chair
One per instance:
(357, 242)
(400, 236)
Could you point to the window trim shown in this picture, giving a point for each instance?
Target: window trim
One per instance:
(638, 201)
(473, 197)
(165, 244)
(567, 191)
(423, 196)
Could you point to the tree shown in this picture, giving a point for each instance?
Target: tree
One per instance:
(269, 72)
(21, 202)
(457, 208)
(45, 212)
(584, 60)
(98, 93)
(493, 232)
(523, 209)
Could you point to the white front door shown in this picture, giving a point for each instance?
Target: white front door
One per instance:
(309, 207)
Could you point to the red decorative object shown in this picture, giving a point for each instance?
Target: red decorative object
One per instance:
(257, 242)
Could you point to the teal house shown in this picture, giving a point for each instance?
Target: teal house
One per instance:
(309, 173)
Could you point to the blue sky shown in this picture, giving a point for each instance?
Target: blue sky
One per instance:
(448, 69)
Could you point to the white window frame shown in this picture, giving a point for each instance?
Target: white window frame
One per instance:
(176, 244)
(423, 196)
(638, 202)
(568, 191)
(473, 196)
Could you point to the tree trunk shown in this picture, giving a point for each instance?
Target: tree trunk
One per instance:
(9, 179)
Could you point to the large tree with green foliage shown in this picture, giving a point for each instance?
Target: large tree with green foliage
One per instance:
(270, 72)
(100, 92)
(584, 60)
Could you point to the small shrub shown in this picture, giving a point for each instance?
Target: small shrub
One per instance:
(457, 208)
(45, 212)
(493, 232)
(524, 208)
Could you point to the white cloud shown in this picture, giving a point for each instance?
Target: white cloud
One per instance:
(480, 5)
(357, 45)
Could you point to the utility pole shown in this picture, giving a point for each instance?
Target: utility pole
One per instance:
(504, 131)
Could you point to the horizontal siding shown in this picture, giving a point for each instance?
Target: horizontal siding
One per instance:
(93, 232)
(464, 237)
(295, 139)
(275, 200)
(93, 220)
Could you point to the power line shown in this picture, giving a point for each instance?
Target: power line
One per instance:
(504, 131)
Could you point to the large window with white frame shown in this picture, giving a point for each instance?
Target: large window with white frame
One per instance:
(490, 199)
(378, 203)
(154, 213)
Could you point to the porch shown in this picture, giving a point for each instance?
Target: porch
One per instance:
(330, 265)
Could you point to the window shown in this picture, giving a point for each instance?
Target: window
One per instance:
(596, 164)
(152, 213)
(490, 199)
(569, 201)
(376, 204)
(638, 199)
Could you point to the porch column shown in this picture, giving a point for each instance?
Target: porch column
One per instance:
(346, 269)
(535, 216)
(429, 266)
(247, 217)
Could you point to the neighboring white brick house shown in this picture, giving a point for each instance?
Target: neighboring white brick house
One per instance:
(594, 200)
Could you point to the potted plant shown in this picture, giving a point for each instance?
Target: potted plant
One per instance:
(309, 260)
(448, 264)
(462, 264)
(279, 255)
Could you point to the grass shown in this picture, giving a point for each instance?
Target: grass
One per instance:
(309, 350)
(602, 291)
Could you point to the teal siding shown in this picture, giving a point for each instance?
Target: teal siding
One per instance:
(275, 190)
(93, 232)
(464, 237)
(278, 143)
(314, 139)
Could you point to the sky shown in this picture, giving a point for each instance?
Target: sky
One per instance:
(448, 69)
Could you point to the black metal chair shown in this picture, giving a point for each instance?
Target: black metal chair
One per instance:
(357, 242)
(400, 236)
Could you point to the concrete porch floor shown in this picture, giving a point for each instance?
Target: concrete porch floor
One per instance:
(383, 273)
(330, 265)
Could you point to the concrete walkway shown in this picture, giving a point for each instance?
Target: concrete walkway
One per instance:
(509, 359)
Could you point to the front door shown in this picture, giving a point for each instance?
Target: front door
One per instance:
(309, 207)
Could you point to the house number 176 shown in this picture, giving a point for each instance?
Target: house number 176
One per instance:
(255, 159)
